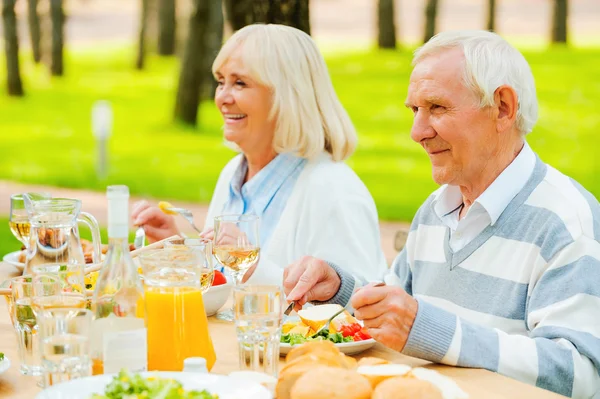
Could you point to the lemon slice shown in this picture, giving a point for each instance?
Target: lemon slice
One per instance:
(164, 206)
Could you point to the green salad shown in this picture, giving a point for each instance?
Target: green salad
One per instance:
(1, 356)
(134, 386)
(297, 339)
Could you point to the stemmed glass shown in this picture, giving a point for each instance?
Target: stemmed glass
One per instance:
(18, 220)
(236, 247)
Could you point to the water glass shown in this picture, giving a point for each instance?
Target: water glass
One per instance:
(26, 327)
(65, 344)
(258, 316)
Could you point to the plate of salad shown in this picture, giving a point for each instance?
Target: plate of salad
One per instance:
(4, 363)
(156, 385)
(345, 331)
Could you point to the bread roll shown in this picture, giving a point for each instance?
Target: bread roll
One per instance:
(406, 388)
(331, 383)
(378, 373)
(311, 346)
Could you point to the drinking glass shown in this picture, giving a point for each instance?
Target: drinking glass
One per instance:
(258, 317)
(203, 249)
(49, 293)
(236, 247)
(65, 344)
(70, 279)
(26, 327)
(174, 309)
(18, 219)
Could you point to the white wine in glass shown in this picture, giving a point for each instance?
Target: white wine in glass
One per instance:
(18, 219)
(236, 247)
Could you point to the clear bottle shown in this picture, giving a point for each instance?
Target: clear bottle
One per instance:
(119, 338)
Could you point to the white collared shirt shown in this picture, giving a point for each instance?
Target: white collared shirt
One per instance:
(488, 207)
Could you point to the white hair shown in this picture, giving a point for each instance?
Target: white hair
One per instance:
(309, 116)
(490, 62)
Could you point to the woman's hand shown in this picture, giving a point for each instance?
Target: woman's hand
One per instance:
(156, 223)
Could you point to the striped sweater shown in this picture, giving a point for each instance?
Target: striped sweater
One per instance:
(522, 299)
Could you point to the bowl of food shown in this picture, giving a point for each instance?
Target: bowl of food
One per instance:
(217, 294)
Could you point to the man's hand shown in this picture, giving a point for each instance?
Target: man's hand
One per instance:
(310, 279)
(388, 314)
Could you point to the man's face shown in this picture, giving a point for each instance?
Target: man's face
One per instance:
(459, 136)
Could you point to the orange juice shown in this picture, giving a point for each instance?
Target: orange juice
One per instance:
(177, 327)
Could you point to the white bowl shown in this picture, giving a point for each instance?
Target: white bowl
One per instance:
(216, 296)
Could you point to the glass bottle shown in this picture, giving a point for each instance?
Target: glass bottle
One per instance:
(119, 338)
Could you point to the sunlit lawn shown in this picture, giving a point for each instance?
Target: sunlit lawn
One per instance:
(46, 136)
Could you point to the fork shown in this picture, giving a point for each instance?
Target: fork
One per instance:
(326, 325)
(187, 215)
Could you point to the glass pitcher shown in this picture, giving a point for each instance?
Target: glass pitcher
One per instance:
(175, 317)
(54, 241)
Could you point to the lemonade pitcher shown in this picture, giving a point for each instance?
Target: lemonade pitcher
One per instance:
(175, 317)
(54, 242)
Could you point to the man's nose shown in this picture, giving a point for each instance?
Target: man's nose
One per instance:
(421, 128)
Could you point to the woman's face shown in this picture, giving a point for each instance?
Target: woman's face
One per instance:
(245, 106)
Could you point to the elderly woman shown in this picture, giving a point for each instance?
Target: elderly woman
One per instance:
(283, 116)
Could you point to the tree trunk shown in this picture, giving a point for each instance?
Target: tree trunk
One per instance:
(294, 13)
(57, 17)
(166, 27)
(559, 21)
(430, 19)
(141, 55)
(191, 75)
(11, 48)
(214, 40)
(491, 15)
(387, 28)
(34, 29)
(239, 13)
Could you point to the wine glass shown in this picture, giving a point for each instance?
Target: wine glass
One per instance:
(18, 219)
(236, 247)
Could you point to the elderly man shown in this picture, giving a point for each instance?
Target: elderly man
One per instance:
(501, 269)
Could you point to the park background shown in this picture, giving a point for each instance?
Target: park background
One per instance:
(85, 51)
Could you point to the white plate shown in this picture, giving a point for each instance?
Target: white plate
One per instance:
(4, 364)
(349, 348)
(225, 387)
(13, 259)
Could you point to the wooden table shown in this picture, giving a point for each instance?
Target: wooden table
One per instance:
(478, 383)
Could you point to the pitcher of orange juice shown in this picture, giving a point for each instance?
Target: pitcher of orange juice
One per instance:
(174, 311)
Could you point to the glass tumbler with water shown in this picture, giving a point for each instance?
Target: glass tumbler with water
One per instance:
(258, 315)
(65, 344)
(26, 326)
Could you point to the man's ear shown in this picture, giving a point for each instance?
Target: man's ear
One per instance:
(507, 104)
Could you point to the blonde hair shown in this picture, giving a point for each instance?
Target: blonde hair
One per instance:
(309, 116)
(490, 62)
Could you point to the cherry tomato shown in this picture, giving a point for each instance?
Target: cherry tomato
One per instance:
(219, 278)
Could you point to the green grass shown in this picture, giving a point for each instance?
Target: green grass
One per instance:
(46, 136)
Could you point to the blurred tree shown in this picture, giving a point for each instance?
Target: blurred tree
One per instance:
(387, 28)
(141, 55)
(294, 13)
(34, 29)
(192, 76)
(11, 47)
(491, 15)
(431, 10)
(166, 27)
(239, 13)
(559, 21)
(214, 40)
(57, 16)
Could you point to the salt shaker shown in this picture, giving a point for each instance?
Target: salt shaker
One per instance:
(195, 365)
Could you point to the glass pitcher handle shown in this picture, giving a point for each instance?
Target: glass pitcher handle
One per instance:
(92, 223)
